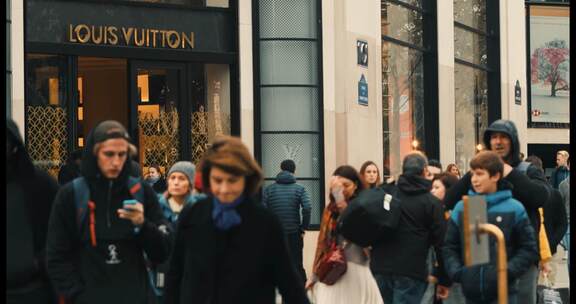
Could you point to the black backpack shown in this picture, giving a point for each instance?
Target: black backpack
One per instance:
(371, 217)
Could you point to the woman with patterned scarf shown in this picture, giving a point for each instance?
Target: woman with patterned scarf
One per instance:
(356, 285)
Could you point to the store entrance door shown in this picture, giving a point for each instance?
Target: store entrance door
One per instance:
(157, 120)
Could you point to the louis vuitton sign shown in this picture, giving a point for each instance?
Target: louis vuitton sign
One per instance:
(129, 36)
(115, 27)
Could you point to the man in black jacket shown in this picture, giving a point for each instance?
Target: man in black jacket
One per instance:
(529, 187)
(29, 195)
(399, 263)
(101, 260)
(555, 217)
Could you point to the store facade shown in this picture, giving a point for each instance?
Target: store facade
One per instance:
(166, 71)
(322, 82)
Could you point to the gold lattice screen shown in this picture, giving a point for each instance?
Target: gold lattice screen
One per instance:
(159, 142)
(205, 127)
(46, 139)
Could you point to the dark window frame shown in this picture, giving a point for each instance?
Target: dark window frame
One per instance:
(258, 133)
(529, 122)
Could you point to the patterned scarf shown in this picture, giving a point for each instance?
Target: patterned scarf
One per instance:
(327, 235)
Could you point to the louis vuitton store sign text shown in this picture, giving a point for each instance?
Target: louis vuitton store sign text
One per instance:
(129, 36)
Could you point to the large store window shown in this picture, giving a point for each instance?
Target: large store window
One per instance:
(288, 89)
(476, 74)
(408, 75)
(46, 101)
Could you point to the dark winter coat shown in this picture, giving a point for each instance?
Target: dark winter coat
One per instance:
(159, 186)
(114, 271)
(530, 187)
(559, 174)
(161, 270)
(242, 265)
(29, 195)
(422, 225)
(286, 198)
(68, 172)
(555, 219)
(479, 282)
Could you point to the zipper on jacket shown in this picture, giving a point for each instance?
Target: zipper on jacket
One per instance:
(108, 207)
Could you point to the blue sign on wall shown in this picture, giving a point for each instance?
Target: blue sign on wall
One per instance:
(363, 91)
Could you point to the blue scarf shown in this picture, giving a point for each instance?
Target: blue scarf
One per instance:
(225, 216)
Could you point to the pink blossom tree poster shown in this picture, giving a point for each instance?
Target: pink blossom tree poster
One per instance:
(549, 68)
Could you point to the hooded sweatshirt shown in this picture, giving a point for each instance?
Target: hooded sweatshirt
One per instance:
(479, 282)
(421, 225)
(29, 195)
(114, 270)
(285, 198)
(530, 188)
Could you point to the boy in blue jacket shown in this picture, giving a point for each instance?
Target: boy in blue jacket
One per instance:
(479, 282)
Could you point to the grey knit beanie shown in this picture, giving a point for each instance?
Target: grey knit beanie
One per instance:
(185, 167)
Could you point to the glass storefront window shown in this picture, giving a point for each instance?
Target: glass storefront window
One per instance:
(158, 117)
(471, 13)
(403, 102)
(471, 73)
(288, 94)
(289, 62)
(211, 113)
(404, 50)
(402, 23)
(45, 100)
(288, 19)
(470, 47)
(471, 112)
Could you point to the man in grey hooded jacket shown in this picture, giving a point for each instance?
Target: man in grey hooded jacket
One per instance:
(529, 187)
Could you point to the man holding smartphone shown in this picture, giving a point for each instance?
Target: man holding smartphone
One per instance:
(101, 257)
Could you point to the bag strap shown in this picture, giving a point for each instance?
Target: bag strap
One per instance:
(83, 203)
(81, 197)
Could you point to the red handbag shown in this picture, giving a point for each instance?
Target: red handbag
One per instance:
(332, 266)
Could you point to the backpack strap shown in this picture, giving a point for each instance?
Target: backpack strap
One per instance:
(83, 203)
(523, 166)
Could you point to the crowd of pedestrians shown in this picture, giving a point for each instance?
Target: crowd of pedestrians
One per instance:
(211, 233)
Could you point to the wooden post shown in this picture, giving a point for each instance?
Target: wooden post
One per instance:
(502, 260)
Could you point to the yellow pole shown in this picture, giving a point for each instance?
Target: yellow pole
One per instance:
(502, 260)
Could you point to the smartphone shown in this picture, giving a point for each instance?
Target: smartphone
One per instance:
(129, 202)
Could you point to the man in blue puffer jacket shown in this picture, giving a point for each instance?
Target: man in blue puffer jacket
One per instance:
(287, 199)
(479, 282)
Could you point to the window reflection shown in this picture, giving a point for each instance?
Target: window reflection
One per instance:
(471, 13)
(470, 46)
(401, 23)
(403, 102)
(471, 111)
